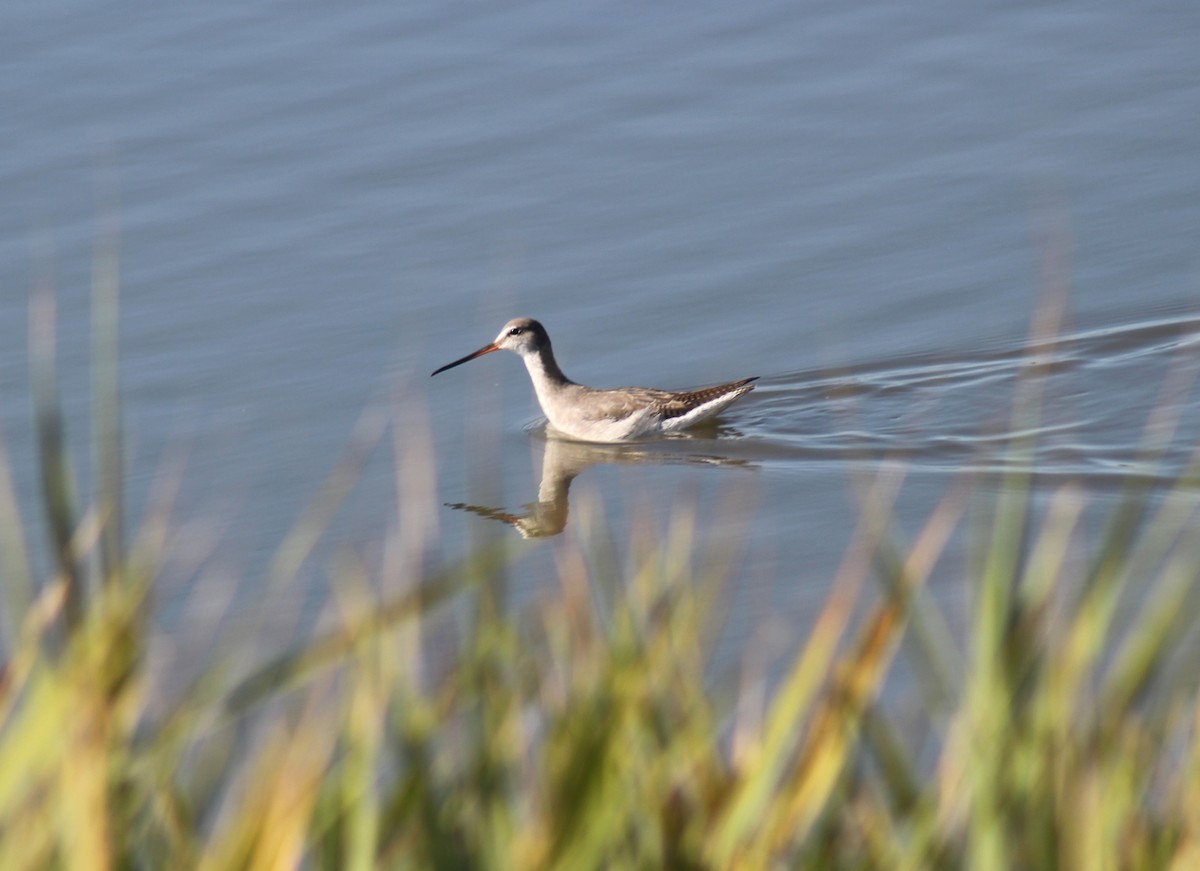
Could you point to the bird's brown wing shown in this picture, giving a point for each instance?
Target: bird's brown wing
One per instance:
(626, 401)
(678, 404)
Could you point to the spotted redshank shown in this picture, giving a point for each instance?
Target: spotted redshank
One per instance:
(619, 414)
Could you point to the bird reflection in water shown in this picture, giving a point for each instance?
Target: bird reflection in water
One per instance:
(563, 460)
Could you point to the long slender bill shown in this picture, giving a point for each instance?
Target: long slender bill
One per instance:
(487, 349)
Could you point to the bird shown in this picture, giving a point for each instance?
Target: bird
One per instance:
(607, 415)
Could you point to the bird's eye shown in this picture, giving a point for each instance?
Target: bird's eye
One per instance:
(516, 331)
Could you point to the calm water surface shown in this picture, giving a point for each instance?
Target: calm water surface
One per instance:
(861, 203)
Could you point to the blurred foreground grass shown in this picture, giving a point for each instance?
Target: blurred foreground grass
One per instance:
(588, 731)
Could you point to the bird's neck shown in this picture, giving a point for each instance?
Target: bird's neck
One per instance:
(543, 370)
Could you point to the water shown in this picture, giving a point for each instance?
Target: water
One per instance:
(862, 204)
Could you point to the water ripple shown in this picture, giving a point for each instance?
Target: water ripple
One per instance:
(1097, 390)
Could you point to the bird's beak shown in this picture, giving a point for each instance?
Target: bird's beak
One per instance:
(486, 349)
